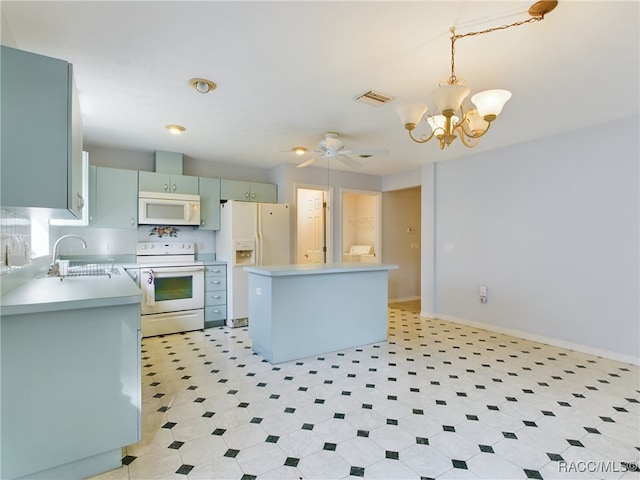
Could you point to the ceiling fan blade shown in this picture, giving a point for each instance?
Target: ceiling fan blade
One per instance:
(306, 163)
(348, 161)
(366, 152)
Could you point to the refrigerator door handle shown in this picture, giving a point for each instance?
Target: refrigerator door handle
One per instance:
(258, 251)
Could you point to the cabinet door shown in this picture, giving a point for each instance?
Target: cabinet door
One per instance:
(116, 198)
(209, 189)
(184, 184)
(40, 133)
(264, 192)
(154, 182)
(235, 190)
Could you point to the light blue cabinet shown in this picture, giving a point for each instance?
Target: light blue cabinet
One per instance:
(248, 191)
(71, 395)
(167, 183)
(113, 198)
(41, 149)
(215, 294)
(209, 189)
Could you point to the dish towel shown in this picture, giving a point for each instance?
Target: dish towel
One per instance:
(151, 289)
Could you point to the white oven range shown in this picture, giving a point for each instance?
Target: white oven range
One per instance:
(172, 284)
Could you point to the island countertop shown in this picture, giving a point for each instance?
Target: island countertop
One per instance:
(317, 268)
(46, 294)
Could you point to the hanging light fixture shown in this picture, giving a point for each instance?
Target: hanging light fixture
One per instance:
(455, 120)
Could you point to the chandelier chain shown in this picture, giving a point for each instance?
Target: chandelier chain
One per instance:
(453, 79)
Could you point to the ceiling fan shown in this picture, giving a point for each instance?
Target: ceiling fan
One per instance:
(332, 146)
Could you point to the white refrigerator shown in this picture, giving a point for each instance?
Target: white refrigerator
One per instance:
(250, 234)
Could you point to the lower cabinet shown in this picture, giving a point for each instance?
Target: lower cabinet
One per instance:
(71, 391)
(215, 294)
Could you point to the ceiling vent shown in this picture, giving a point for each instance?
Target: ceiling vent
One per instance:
(371, 97)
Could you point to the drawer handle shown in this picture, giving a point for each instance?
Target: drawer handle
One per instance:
(217, 282)
(216, 311)
(217, 297)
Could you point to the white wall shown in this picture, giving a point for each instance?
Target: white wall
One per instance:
(397, 181)
(551, 227)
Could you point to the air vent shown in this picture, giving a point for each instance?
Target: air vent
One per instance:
(373, 98)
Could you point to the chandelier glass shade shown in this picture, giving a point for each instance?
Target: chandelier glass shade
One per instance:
(456, 117)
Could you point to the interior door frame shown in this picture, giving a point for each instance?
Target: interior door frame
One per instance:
(328, 195)
(378, 227)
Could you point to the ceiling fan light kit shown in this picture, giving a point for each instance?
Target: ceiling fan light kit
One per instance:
(456, 120)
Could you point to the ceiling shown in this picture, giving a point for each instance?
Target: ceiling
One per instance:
(287, 72)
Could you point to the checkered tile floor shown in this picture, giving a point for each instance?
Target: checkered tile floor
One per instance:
(438, 400)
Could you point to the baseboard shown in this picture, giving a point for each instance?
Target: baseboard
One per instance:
(598, 352)
(404, 299)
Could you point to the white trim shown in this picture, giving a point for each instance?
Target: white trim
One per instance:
(617, 356)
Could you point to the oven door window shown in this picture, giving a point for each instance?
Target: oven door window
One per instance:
(173, 288)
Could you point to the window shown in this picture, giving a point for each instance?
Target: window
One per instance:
(39, 237)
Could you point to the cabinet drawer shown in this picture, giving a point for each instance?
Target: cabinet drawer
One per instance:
(218, 312)
(215, 270)
(216, 297)
(215, 283)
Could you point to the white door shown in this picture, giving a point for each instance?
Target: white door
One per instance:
(311, 226)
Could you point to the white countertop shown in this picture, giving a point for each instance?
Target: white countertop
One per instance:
(45, 294)
(317, 268)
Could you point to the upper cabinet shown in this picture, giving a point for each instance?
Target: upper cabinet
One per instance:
(41, 147)
(209, 203)
(248, 191)
(114, 198)
(167, 182)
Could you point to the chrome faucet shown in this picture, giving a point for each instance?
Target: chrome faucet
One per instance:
(54, 269)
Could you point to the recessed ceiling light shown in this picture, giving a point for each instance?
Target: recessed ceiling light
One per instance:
(202, 85)
(299, 150)
(175, 129)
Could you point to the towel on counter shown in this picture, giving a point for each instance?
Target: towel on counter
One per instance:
(151, 290)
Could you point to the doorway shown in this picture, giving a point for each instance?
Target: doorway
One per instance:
(313, 224)
(361, 241)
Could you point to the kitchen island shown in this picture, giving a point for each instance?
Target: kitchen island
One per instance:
(70, 362)
(296, 311)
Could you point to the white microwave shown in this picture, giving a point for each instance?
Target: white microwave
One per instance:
(155, 208)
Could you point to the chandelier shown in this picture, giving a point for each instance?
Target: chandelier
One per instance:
(455, 120)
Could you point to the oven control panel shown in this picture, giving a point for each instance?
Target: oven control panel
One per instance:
(165, 248)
